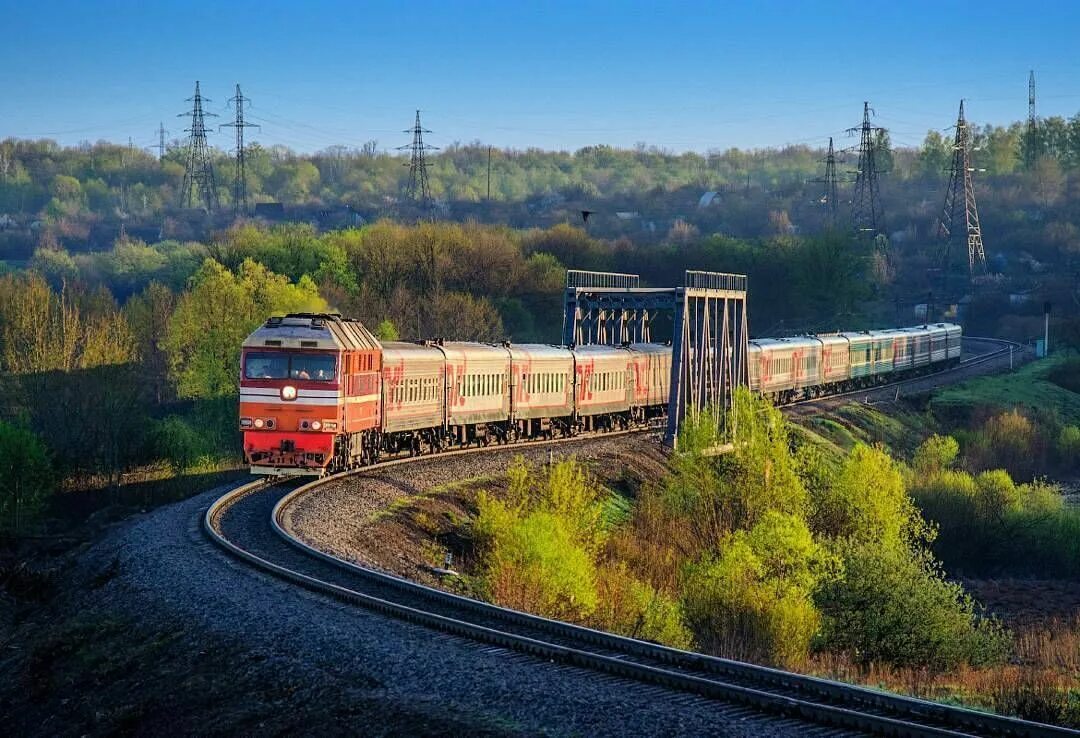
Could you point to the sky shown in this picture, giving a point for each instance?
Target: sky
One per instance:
(554, 75)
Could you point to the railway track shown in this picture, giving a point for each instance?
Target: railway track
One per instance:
(249, 523)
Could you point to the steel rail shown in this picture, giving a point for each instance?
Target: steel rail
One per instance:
(798, 691)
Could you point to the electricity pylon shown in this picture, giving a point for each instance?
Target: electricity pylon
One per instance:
(417, 187)
(200, 169)
(867, 216)
(960, 195)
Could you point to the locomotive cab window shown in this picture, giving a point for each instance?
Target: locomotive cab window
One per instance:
(281, 365)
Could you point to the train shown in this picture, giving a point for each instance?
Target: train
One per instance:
(320, 394)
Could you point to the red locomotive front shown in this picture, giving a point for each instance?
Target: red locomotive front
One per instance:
(309, 395)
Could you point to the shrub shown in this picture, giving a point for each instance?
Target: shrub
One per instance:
(634, 608)
(893, 605)
(996, 495)
(179, 442)
(935, 453)
(25, 476)
(538, 567)
(752, 599)
(720, 494)
(1008, 440)
(1068, 446)
(867, 501)
(539, 545)
(387, 331)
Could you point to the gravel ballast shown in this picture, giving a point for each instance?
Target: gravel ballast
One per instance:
(312, 656)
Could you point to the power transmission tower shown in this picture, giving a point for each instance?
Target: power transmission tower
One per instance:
(1031, 148)
(867, 216)
(161, 141)
(829, 198)
(200, 169)
(240, 201)
(417, 188)
(961, 195)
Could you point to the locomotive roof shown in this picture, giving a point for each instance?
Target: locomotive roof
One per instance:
(312, 331)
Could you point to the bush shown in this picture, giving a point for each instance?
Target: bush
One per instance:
(633, 608)
(387, 331)
(539, 545)
(536, 566)
(1008, 440)
(179, 442)
(935, 453)
(893, 605)
(752, 599)
(25, 476)
(867, 501)
(1068, 446)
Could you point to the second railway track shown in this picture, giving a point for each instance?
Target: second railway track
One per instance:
(249, 522)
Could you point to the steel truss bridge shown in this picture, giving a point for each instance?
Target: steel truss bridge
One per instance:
(709, 332)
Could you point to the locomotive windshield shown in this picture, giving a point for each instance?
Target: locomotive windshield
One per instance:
(280, 365)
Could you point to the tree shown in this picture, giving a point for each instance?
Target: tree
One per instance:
(25, 475)
(148, 315)
(934, 155)
(214, 317)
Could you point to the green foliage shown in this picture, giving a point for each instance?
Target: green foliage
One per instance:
(220, 310)
(866, 501)
(935, 454)
(752, 599)
(990, 525)
(721, 494)
(25, 476)
(541, 548)
(541, 542)
(893, 605)
(179, 442)
(387, 331)
(1068, 445)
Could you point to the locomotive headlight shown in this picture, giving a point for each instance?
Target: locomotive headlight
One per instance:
(288, 392)
(259, 422)
(316, 425)
(245, 422)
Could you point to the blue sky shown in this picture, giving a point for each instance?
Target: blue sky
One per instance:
(556, 75)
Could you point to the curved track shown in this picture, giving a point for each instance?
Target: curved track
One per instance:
(248, 523)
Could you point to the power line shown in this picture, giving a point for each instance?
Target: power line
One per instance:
(867, 216)
(417, 187)
(200, 169)
(240, 199)
(961, 194)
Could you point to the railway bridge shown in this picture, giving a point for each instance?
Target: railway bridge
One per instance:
(709, 332)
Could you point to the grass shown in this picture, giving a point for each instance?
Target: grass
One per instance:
(1031, 388)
